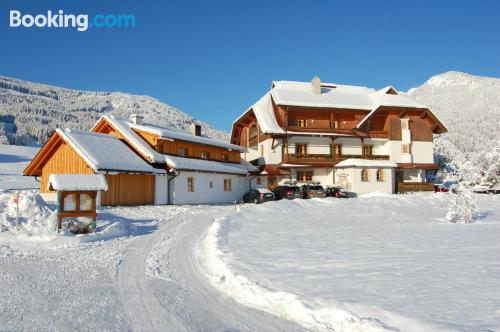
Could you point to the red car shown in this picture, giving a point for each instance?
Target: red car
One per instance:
(444, 187)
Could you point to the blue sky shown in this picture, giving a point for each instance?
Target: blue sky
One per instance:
(213, 59)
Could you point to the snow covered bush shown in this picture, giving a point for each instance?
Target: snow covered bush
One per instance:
(35, 216)
(463, 206)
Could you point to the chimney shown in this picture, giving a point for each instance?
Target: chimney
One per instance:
(316, 85)
(137, 119)
(195, 129)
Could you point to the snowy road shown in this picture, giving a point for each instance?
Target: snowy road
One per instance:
(180, 297)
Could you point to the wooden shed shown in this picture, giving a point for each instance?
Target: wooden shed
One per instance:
(131, 180)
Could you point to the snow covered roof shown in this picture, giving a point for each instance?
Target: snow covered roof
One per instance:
(366, 163)
(169, 133)
(181, 163)
(191, 164)
(332, 96)
(105, 152)
(77, 182)
(263, 110)
(134, 139)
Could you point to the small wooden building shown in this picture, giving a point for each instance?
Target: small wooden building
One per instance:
(77, 194)
(131, 180)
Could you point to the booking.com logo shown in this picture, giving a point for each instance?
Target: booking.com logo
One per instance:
(61, 20)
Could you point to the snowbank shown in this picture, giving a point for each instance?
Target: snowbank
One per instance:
(35, 216)
(286, 305)
(375, 263)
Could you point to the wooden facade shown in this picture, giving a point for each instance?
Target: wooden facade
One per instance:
(171, 147)
(59, 157)
(194, 150)
(129, 189)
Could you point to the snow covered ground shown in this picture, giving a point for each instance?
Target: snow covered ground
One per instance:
(13, 160)
(374, 263)
(366, 264)
(137, 272)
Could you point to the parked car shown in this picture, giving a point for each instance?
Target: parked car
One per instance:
(311, 190)
(336, 192)
(287, 191)
(444, 187)
(259, 195)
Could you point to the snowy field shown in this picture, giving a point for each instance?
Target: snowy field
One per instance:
(13, 160)
(366, 264)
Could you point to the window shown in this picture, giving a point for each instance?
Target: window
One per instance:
(380, 175)
(367, 150)
(224, 157)
(253, 132)
(182, 152)
(69, 202)
(337, 149)
(258, 180)
(404, 124)
(304, 176)
(406, 148)
(85, 202)
(301, 123)
(364, 175)
(190, 184)
(301, 149)
(211, 184)
(204, 155)
(227, 184)
(335, 124)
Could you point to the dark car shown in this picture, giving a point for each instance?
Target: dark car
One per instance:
(288, 192)
(336, 192)
(312, 190)
(259, 195)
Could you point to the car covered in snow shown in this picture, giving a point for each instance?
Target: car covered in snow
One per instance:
(258, 195)
(312, 190)
(336, 192)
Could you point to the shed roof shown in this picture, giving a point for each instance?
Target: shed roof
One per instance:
(81, 182)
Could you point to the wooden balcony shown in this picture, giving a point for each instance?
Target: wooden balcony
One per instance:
(328, 158)
(404, 187)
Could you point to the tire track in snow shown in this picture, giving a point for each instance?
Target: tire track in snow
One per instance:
(184, 300)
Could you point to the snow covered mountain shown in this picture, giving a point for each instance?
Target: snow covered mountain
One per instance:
(29, 112)
(470, 107)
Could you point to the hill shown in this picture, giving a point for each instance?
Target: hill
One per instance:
(29, 111)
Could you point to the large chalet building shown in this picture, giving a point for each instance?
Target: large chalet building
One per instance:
(359, 138)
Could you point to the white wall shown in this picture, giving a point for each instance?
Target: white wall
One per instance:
(315, 145)
(263, 182)
(203, 194)
(355, 184)
(423, 152)
(271, 152)
(350, 145)
(161, 190)
(379, 145)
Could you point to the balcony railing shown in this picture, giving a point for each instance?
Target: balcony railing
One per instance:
(326, 158)
(404, 187)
